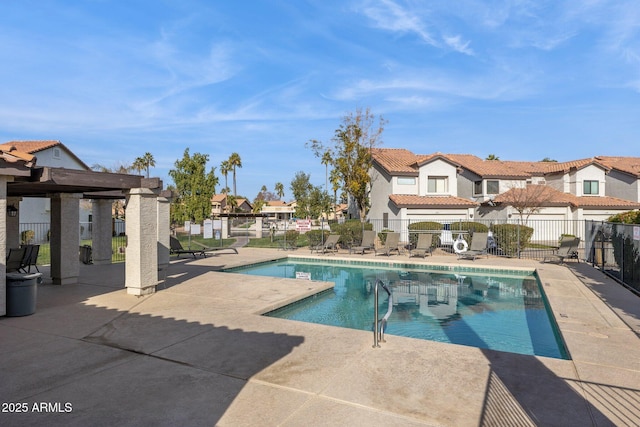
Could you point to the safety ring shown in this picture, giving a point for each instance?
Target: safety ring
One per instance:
(460, 246)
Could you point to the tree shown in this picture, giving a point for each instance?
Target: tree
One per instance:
(194, 188)
(528, 200)
(147, 161)
(326, 161)
(225, 168)
(547, 159)
(351, 154)
(235, 162)
(492, 157)
(301, 188)
(279, 188)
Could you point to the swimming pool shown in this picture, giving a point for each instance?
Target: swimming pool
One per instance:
(492, 309)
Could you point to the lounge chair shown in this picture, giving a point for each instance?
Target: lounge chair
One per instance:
(423, 247)
(567, 249)
(368, 242)
(176, 248)
(391, 244)
(30, 258)
(207, 249)
(15, 259)
(478, 246)
(329, 245)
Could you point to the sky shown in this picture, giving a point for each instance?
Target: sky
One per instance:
(522, 80)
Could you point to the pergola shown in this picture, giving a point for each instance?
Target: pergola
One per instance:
(147, 250)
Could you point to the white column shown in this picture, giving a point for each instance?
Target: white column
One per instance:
(102, 232)
(164, 232)
(141, 270)
(225, 227)
(3, 245)
(65, 238)
(259, 227)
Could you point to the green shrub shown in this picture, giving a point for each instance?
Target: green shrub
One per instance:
(422, 226)
(383, 235)
(350, 231)
(27, 236)
(469, 226)
(630, 217)
(292, 236)
(315, 237)
(506, 236)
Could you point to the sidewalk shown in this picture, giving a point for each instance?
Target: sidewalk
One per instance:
(196, 353)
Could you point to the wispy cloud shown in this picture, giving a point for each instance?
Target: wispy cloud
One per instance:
(391, 16)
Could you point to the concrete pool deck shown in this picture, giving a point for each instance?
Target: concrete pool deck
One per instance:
(197, 353)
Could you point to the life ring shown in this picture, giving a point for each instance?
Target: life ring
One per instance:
(460, 246)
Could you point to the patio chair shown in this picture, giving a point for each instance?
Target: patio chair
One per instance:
(391, 244)
(367, 244)
(208, 249)
(423, 246)
(478, 246)
(566, 249)
(329, 245)
(30, 258)
(176, 248)
(15, 259)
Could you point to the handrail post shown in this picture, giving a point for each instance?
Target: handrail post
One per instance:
(375, 315)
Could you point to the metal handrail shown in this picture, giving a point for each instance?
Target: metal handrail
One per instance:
(379, 325)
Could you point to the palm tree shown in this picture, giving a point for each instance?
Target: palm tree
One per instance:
(225, 168)
(279, 190)
(326, 161)
(492, 157)
(144, 163)
(235, 162)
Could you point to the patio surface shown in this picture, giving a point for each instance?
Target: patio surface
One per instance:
(197, 353)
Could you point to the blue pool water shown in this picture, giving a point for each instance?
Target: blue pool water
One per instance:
(490, 309)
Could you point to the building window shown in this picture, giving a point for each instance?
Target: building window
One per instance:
(56, 153)
(590, 187)
(404, 180)
(477, 187)
(437, 184)
(493, 187)
(385, 220)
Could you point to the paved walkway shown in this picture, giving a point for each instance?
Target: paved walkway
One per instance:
(197, 353)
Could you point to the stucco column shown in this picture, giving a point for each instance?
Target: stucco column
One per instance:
(3, 245)
(65, 238)
(141, 270)
(164, 233)
(13, 224)
(102, 233)
(259, 227)
(225, 227)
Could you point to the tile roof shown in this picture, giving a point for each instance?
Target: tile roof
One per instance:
(30, 146)
(544, 195)
(398, 161)
(12, 155)
(412, 201)
(33, 147)
(630, 165)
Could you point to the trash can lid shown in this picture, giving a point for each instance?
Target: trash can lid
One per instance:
(23, 276)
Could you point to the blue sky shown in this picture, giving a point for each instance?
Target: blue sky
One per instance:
(523, 80)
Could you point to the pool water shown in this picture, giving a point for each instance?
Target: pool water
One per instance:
(492, 310)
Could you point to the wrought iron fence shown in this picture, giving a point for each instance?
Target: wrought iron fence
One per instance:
(528, 239)
(615, 249)
(40, 234)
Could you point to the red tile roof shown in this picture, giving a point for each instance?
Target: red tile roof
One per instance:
(30, 146)
(397, 161)
(412, 201)
(544, 195)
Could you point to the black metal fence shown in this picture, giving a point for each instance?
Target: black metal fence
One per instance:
(615, 249)
(522, 239)
(40, 234)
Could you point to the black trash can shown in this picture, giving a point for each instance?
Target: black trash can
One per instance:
(22, 293)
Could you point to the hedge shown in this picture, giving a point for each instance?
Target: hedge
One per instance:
(422, 226)
(506, 236)
(350, 231)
